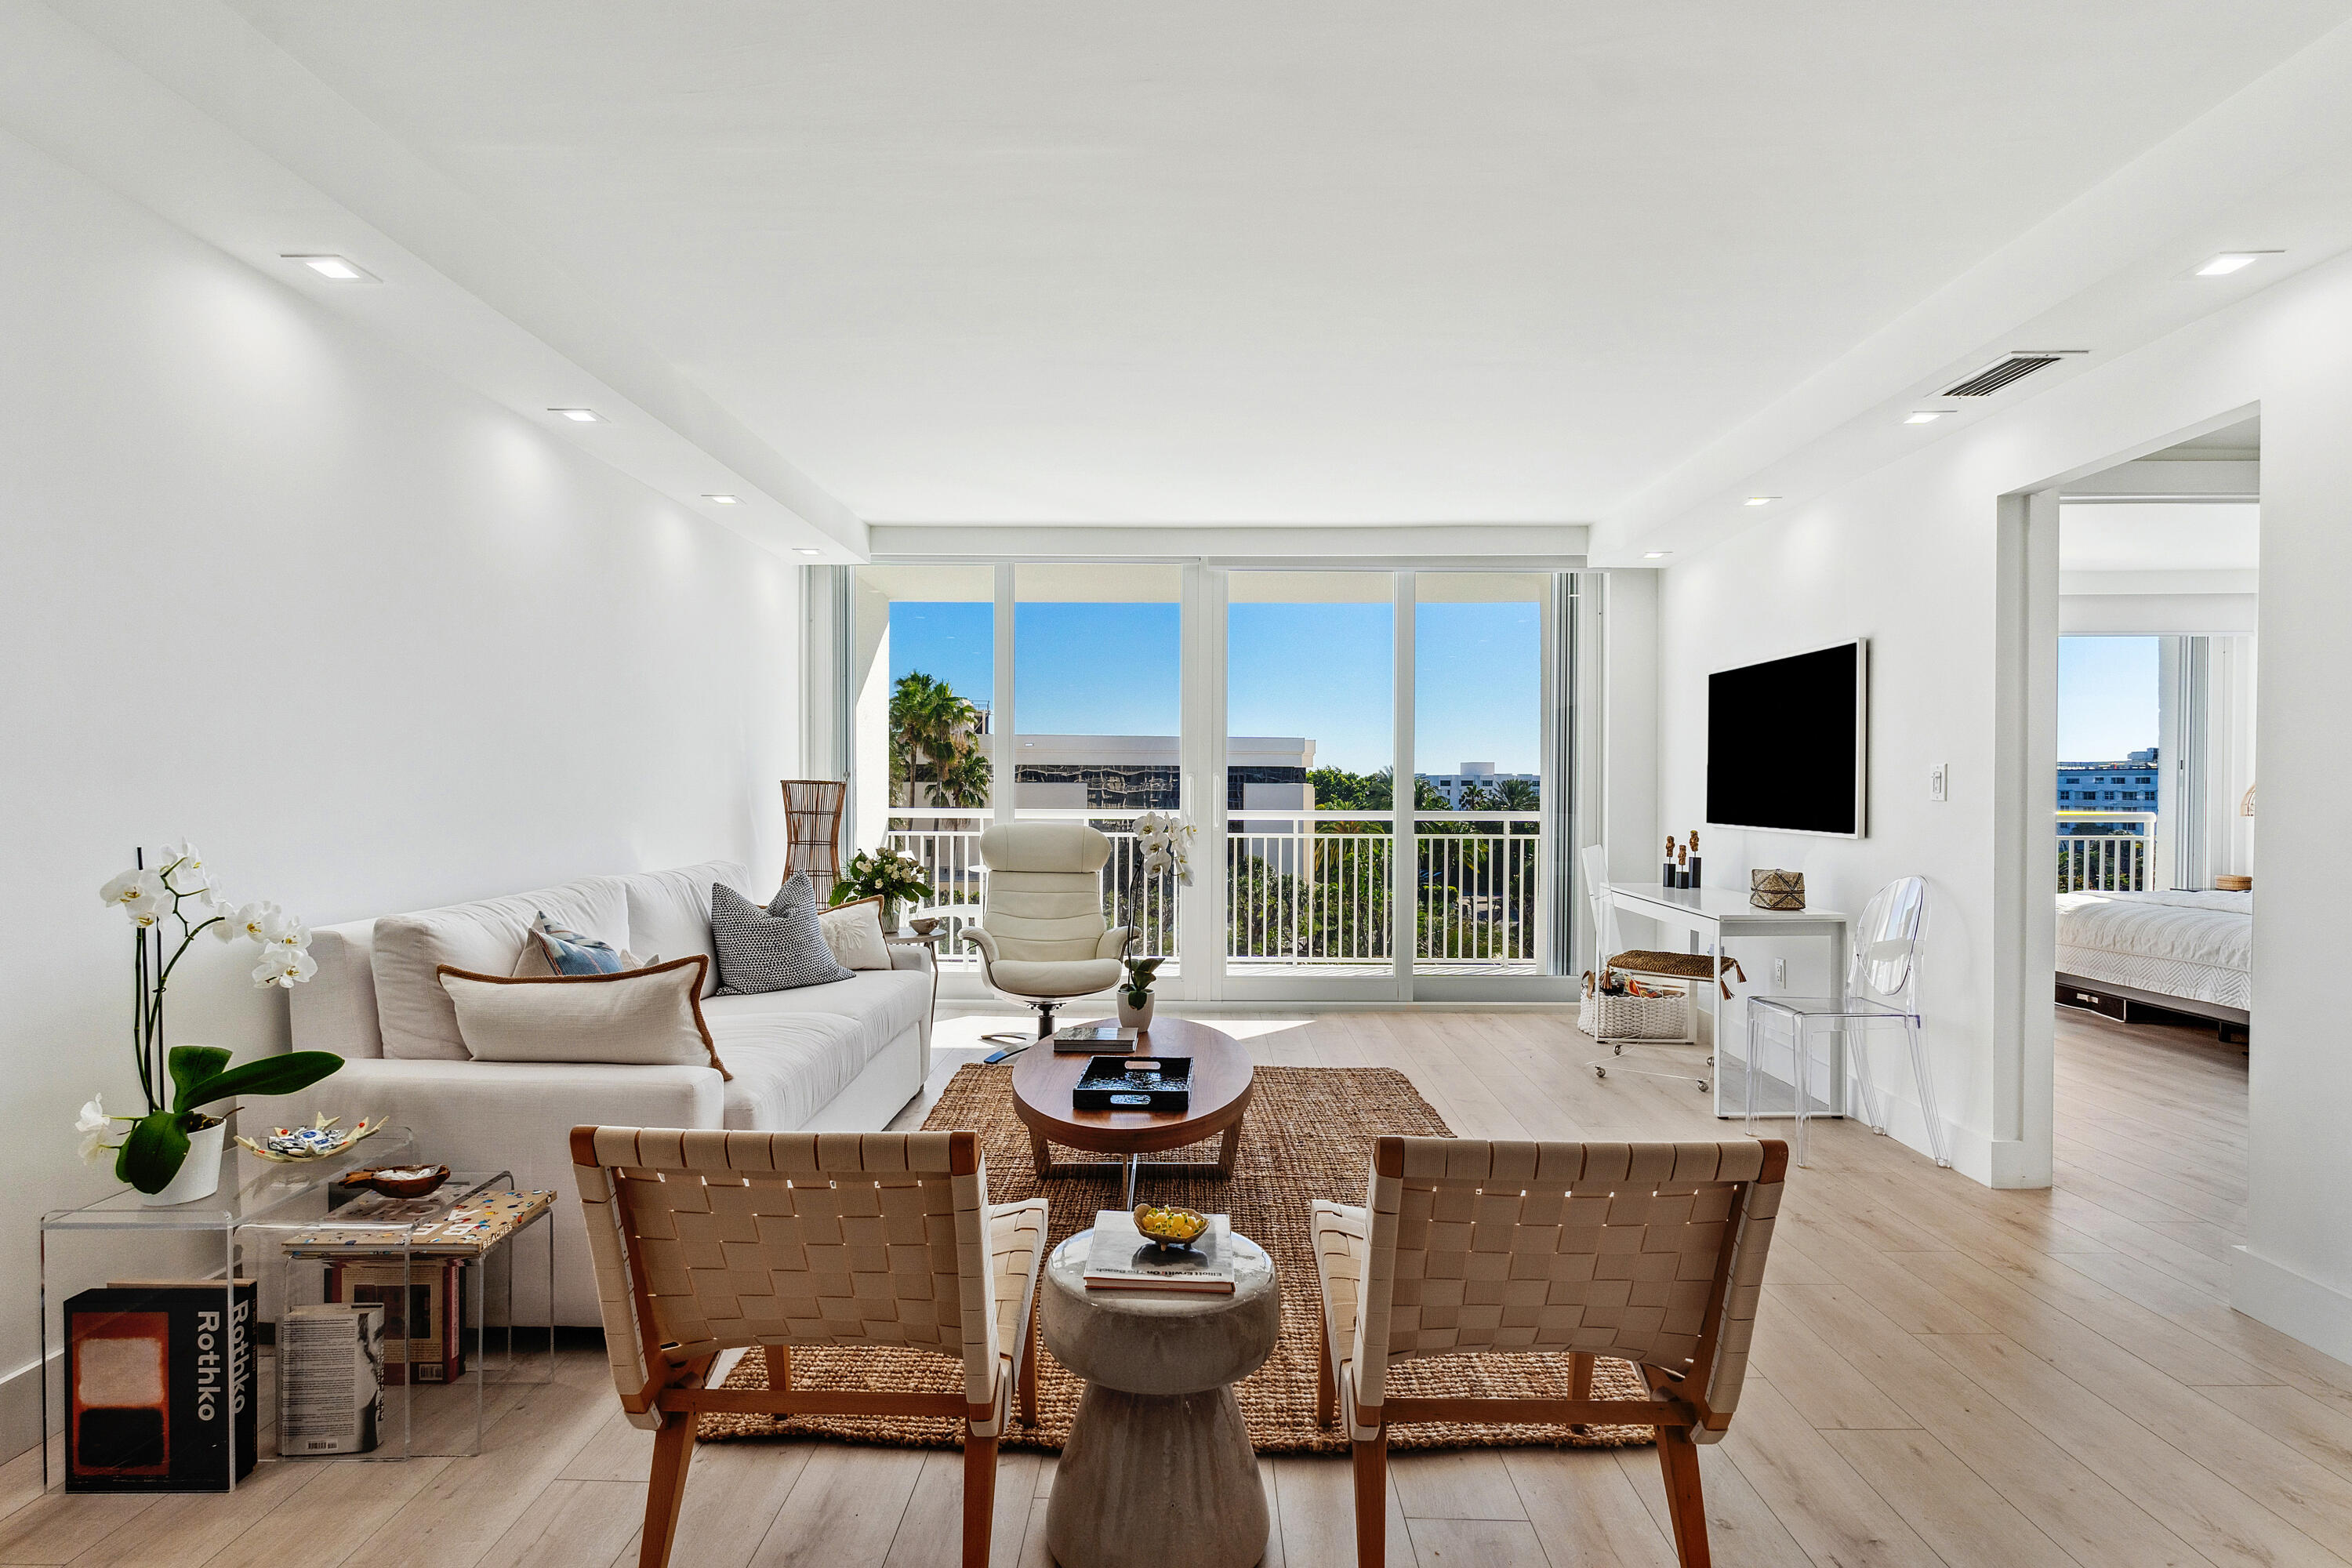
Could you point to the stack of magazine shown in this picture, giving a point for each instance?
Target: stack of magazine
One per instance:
(1119, 1258)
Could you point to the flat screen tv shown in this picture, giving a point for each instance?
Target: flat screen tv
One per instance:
(1788, 743)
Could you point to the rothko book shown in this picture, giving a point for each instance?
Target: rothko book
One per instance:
(159, 1386)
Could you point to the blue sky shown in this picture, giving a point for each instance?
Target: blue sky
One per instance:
(1323, 671)
(2107, 698)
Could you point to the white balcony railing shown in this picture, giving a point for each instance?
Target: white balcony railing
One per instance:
(1304, 892)
(2104, 851)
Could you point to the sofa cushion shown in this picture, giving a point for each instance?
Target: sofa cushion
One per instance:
(780, 948)
(669, 911)
(880, 1004)
(852, 931)
(336, 1011)
(482, 938)
(788, 1065)
(640, 1017)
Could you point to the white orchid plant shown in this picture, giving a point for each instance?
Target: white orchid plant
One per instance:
(178, 1081)
(1167, 843)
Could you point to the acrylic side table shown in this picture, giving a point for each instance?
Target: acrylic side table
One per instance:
(197, 1240)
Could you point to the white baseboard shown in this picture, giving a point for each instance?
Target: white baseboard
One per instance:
(20, 1408)
(2295, 1304)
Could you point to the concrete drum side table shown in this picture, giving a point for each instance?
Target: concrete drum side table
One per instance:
(1157, 1472)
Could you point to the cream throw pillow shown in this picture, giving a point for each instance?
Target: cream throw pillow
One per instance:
(638, 1018)
(852, 931)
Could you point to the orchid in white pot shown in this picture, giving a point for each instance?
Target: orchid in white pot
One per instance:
(177, 1082)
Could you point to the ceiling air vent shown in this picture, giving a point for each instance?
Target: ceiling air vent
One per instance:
(2001, 372)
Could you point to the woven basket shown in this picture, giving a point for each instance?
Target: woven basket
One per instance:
(1633, 1018)
(1777, 889)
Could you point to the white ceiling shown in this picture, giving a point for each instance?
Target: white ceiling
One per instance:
(1317, 263)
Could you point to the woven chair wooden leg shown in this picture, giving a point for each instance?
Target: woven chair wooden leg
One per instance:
(780, 1365)
(1326, 1392)
(1372, 1501)
(1678, 1457)
(1580, 1375)
(979, 1497)
(1028, 1387)
(665, 1490)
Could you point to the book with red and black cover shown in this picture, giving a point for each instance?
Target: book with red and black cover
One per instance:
(160, 1383)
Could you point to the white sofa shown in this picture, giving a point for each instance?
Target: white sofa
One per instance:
(845, 1057)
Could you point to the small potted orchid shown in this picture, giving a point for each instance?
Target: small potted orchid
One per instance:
(172, 1152)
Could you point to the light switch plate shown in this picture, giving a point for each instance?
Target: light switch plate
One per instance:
(1940, 781)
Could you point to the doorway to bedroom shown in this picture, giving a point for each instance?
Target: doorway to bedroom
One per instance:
(2152, 799)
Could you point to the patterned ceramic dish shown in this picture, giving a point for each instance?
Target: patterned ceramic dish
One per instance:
(289, 1145)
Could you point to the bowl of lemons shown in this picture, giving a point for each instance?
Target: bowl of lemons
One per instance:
(1169, 1227)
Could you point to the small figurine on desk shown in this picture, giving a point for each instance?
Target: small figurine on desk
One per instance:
(1693, 859)
(1667, 876)
(1682, 868)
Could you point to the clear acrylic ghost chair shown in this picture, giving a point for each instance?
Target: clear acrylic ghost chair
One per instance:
(1882, 988)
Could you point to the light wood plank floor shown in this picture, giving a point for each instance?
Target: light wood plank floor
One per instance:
(1944, 1375)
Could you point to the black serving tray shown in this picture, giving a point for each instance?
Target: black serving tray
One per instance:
(1113, 1083)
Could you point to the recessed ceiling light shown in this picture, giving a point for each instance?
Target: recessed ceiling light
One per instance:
(724, 500)
(1657, 554)
(2230, 261)
(1924, 416)
(580, 415)
(336, 267)
(806, 550)
(1760, 500)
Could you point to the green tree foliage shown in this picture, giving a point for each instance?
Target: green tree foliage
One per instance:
(935, 744)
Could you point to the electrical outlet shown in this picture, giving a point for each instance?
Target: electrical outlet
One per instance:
(1939, 780)
(1779, 975)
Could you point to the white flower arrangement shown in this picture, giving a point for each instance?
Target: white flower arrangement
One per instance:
(179, 1080)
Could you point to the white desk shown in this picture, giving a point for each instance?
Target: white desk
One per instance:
(1717, 916)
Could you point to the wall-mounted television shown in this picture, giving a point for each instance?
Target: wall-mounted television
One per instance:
(1788, 743)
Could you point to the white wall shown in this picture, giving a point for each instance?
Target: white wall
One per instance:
(373, 642)
(1907, 556)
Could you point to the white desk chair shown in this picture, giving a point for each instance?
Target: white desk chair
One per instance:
(1687, 970)
(1882, 987)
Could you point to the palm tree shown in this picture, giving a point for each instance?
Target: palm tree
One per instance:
(934, 740)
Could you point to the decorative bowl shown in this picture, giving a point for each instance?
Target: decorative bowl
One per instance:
(399, 1180)
(1170, 1227)
(924, 926)
(291, 1145)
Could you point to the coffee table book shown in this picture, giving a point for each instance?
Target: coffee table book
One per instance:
(1093, 1039)
(1119, 1258)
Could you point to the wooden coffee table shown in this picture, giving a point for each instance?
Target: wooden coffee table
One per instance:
(1222, 1078)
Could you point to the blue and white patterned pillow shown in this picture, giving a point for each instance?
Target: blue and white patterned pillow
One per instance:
(780, 948)
(573, 953)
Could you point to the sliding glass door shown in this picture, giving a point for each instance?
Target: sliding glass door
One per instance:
(1275, 711)
(1310, 773)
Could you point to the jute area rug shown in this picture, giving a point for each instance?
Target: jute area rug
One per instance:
(1308, 1134)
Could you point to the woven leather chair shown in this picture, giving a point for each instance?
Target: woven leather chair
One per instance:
(1041, 936)
(705, 1241)
(1650, 1252)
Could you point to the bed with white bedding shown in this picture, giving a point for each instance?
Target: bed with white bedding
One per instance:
(2185, 952)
